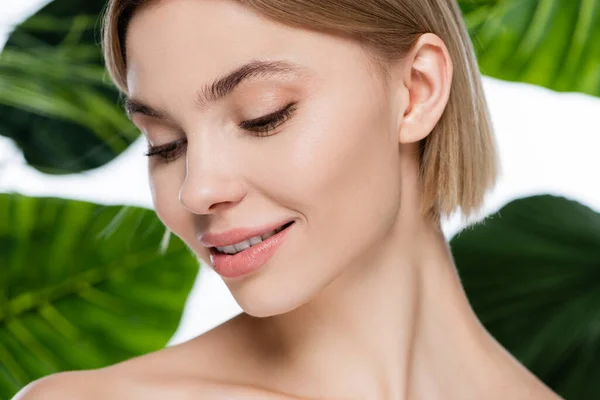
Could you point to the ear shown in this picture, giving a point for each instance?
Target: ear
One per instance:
(427, 78)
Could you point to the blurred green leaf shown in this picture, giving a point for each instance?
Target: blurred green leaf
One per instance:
(56, 100)
(532, 274)
(84, 286)
(551, 43)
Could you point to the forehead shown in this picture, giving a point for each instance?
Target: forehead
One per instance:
(188, 42)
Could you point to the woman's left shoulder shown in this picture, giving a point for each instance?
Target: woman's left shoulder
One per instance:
(67, 385)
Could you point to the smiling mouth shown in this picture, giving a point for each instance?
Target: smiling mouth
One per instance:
(246, 244)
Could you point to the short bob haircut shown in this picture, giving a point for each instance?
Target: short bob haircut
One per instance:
(458, 159)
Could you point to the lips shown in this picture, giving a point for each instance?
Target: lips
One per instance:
(250, 259)
(238, 235)
(253, 241)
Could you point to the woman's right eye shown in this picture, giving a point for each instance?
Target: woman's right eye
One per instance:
(168, 152)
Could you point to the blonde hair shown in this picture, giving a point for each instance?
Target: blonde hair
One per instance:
(458, 159)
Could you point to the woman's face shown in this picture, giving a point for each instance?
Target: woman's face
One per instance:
(331, 165)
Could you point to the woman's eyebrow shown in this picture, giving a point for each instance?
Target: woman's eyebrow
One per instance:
(224, 86)
(133, 106)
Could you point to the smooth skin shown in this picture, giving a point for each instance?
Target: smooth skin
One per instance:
(362, 300)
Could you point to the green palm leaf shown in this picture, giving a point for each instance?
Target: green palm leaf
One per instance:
(84, 286)
(56, 100)
(532, 273)
(551, 43)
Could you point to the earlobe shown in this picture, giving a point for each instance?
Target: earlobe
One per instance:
(428, 78)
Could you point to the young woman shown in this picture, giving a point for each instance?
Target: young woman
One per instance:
(307, 151)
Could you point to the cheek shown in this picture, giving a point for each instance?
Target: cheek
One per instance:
(355, 180)
(341, 171)
(165, 184)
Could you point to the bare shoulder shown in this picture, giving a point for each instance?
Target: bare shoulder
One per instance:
(121, 384)
(64, 385)
(213, 366)
(157, 375)
(217, 365)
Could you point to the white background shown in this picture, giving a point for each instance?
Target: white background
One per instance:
(549, 143)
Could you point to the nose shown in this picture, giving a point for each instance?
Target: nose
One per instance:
(209, 185)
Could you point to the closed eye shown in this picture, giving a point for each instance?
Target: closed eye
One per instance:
(263, 125)
(168, 151)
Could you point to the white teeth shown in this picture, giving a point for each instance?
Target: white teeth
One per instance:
(255, 240)
(242, 246)
(236, 248)
(227, 249)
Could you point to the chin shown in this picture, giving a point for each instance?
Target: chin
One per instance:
(263, 310)
(269, 295)
(261, 304)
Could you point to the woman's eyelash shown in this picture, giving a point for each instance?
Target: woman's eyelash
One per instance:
(262, 126)
(169, 151)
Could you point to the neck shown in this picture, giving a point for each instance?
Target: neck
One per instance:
(396, 326)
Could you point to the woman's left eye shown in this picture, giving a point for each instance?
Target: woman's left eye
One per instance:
(267, 123)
